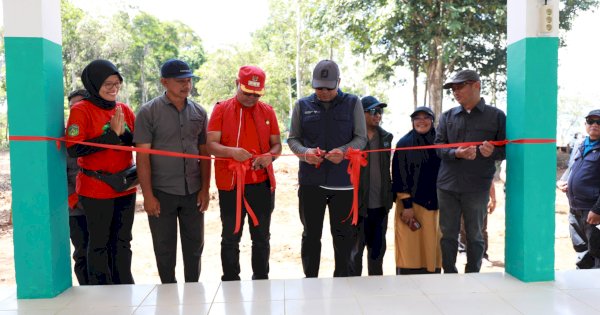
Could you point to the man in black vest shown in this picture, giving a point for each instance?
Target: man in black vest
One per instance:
(324, 125)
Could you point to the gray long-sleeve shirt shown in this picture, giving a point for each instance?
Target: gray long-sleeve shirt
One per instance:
(483, 123)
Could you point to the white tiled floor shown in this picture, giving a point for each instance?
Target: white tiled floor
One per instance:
(573, 292)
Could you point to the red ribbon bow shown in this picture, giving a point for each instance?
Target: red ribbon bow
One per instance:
(357, 159)
(239, 172)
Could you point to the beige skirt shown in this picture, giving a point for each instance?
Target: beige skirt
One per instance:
(421, 248)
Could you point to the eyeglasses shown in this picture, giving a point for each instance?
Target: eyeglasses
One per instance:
(375, 111)
(590, 121)
(251, 94)
(325, 89)
(111, 85)
(460, 86)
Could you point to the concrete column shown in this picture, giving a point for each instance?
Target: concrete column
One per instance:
(532, 63)
(35, 108)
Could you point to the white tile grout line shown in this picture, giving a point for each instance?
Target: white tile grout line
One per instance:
(144, 299)
(214, 297)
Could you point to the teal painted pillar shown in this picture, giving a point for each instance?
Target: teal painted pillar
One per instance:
(38, 170)
(531, 169)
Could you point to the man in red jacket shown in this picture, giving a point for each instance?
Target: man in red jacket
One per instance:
(245, 129)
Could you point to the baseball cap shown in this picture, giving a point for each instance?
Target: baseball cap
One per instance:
(595, 112)
(175, 68)
(326, 75)
(252, 80)
(461, 76)
(81, 92)
(423, 109)
(369, 102)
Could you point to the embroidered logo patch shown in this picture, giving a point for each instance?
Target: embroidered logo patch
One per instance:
(254, 82)
(73, 130)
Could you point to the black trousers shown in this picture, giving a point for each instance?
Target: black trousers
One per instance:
(586, 240)
(312, 201)
(371, 234)
(109, 223)
(79, 237)
(175, 208)
(261, 200)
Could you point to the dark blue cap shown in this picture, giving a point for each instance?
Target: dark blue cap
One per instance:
(423, 109)
(369, 102)
(175, 68)
(595, 112)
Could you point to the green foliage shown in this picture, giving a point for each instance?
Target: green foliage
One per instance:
(435, 37)
(570, 9)
(274, 48)
(137, 43)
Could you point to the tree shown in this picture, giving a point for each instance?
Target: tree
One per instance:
(82, 41)
(435, 37)
(136, 42)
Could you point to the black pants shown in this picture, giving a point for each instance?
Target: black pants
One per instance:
(261, 200)
(586, 240)
(175, 208)
(109, 223)
(371, 234)
(79, 237)
(312, 201)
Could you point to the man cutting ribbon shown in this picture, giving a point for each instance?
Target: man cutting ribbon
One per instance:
(245, 129)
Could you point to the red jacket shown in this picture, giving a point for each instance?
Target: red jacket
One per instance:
(245, 127)
(88, 121)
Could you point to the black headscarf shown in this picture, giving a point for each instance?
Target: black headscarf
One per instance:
(93, 76)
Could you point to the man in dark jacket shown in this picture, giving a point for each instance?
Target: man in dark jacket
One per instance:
(375, 192)
(466, 172)
(582, 188)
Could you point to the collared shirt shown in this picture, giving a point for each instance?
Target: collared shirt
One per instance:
(588, 145)
(168, 129)
(482, 123)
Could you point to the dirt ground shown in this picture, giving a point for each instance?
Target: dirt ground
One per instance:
(286, 231)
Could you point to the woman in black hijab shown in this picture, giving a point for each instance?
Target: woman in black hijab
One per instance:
(109, 209)
(414, 177)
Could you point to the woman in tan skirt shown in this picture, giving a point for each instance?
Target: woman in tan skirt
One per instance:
(414, 176)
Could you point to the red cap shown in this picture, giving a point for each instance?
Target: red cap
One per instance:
(252, 80)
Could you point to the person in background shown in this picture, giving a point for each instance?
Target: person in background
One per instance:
(414, 177)
(99, 118)
(583, 191)
(324, 125)
(175, 189)
(375, 190)
(246, 130)
(77, 223)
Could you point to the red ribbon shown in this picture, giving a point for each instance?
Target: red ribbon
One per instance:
(111, 146)
(73, 200)
(239, 172)
(357, 159)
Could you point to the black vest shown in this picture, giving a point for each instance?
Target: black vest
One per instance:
(327, 130)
